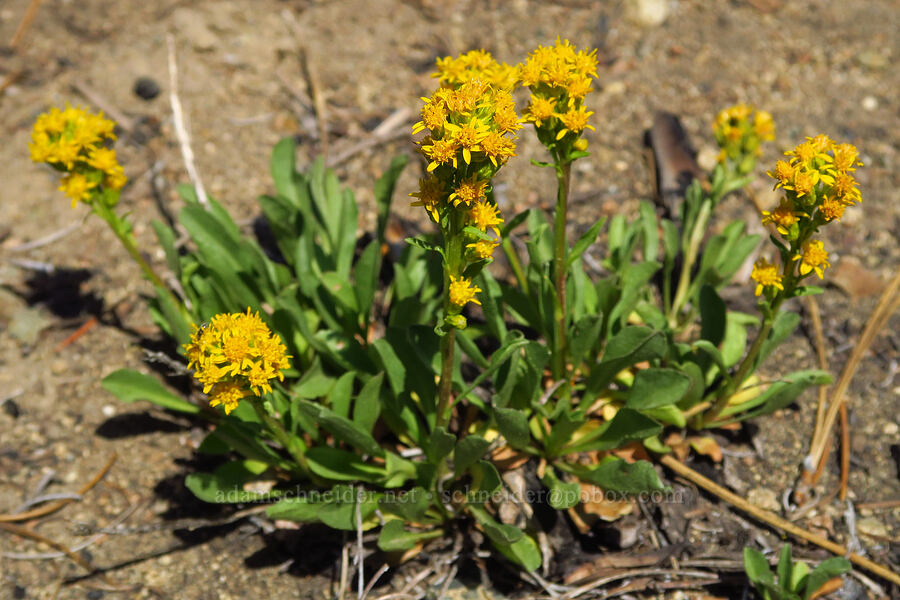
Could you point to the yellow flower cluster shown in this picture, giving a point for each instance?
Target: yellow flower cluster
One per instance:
(476, 64)
(559, 77)
(740, 131)
(818, 183)
(72, 140)
(236, 356)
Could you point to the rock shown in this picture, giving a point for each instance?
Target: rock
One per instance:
(764, 498)
(26, 324)
(647, 13)
(870, 103)
(708, 158)
(890, 428)
(871, 59)
(872, 526)
(146, 88)
(11, 408)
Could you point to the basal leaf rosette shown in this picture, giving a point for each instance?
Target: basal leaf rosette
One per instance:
(559, 77)
(236, 356)
(74, 141)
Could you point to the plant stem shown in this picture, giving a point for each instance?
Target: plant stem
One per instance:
(513, 257)
(559, 367)
(447, 347)
(690, 256)
(282, 437)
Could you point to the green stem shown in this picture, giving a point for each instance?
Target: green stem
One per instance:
(513, 257)
(443, 407)
(559, 367)
(690, 256)
(289, 442)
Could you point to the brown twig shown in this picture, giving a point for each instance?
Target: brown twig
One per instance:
(88, 325)
(24, 24)
(55, 506)
(845, 452)
(774, 520)
(819, 336)
(878, 505)
(27, 533)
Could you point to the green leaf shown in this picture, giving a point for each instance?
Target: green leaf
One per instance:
(367, 405)
(339, 396)
(757, 567)
(735, 342)
(630, 346)
(667, 415)
(628, 425)
(513, 425)
(583, 336)
(395, 537)
(524, 552)
(166, 238)
(782, 328)
(779, 395)
(365, 277)
(563, 495)
(440, 444)
(296, 509)
(468, 450)
(213, 445)
(411, 506)
(783, 570)
(340, 511)
(341, 465)
(424, 245)
(499, 533)
(224, 486)
(485, 480)
(584, 242)
(384, 192)
(131, 386)
(341, 427)
(283, 171)
(827, 569)
(655, 387)
(712, 315)
(616, 475)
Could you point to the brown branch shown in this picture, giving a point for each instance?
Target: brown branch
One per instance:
(774, 520)
(24, 24)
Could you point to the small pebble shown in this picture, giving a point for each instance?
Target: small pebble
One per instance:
(146, 88)
(890, 428)
(108, 410)
(764, 498)
(872, 526)
(869, 103)
(649, 13)
(12, 409)
(614, 88)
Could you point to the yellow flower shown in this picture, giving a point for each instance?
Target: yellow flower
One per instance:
(440, 152)
(469, 191)
(540, 109)
(462, 291)
(235, 356)
(485, 215)
(782, 217)
(832, 208)
(228, 394)
(475, 64)
(430, 195)
(804, 182)
(764, 126)
(468, 136)
(813, 257)
(77, 187)
(845, 189)
(574, 120)
(845, 157)
(483, 249)
(498, 148)
(783, 172)
(765, 275)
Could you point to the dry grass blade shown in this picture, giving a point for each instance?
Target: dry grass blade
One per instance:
(774, 520)
(887, 304)
(55, 506)
(24, 24)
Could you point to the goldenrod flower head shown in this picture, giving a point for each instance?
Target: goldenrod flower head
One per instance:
(765, 274)
(740, 130)
(485, 215)
(559, 78)
(77, 187)
(782, 217)
(483, 249)
(72, 140)
(813, 257)
(430, 195)
(575, 121)
(783, 173)
(469, 191)
(832, 209)
(845, 189)
(475, 64)
(236, 353)
(462, 291)
(845, 157)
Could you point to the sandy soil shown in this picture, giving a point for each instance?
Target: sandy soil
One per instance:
(817, 65)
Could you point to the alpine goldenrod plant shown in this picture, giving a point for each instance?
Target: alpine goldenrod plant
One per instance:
(352, 387)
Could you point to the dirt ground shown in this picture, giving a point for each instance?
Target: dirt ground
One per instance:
(816, 65)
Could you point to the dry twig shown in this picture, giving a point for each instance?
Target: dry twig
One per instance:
(184, 140)
(774, 520)
(24, 24)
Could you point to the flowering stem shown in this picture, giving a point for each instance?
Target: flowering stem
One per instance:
(563, 171)
(290, 443)
(513, 257)
(690, 255)
(443, 406)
